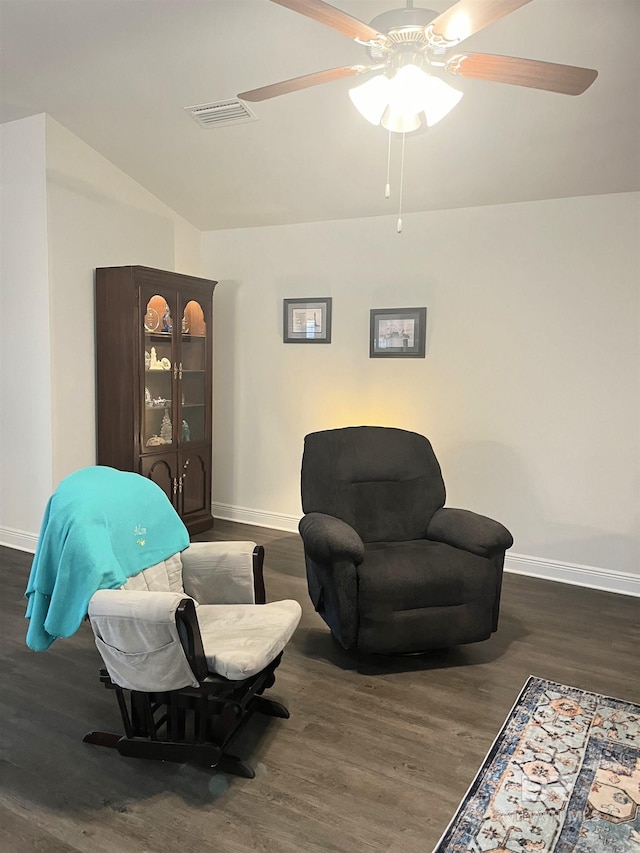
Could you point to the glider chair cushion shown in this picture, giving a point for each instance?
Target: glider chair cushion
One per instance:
(165, 576)
(167, 647)
(139, 642)
(241, 639)
(389, 568)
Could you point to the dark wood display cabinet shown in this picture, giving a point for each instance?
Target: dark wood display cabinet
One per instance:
(154, 382)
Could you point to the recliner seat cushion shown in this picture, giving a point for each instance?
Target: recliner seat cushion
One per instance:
(409, 575)
(423, 595)
(239, 640)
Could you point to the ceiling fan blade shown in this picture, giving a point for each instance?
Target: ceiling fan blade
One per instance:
(304, 82)
(334, 18)
(565, 79)
(467, 17)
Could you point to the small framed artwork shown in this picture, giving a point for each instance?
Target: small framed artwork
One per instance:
(307, 321)
(397, 332)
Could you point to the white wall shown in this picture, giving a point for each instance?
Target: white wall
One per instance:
(84, 213)
(530, 391)
(97, 217)
(25, 381)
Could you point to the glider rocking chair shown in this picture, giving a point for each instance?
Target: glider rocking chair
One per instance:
(187, 641)
(189, 646)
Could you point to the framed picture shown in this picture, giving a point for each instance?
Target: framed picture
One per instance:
(397, 332)
(307, 321)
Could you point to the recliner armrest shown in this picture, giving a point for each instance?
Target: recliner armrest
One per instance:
(469, 530)
(329, 539)
(219, 572)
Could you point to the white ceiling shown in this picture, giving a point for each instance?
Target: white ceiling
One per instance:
(118, 74)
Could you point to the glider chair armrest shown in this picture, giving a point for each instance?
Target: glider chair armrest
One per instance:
(328, 539)
(470, 531)
(224, 572)
(137, 635)
(191, 639)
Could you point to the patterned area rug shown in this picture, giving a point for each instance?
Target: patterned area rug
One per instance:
(563, 776)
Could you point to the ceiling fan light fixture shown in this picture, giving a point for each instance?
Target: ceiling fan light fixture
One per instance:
(396, 103)
(440, 100)
(400, 122)
(409, 90)
(371, 98)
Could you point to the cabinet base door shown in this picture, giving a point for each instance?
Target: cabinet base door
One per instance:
(195, 489)
(161, 469)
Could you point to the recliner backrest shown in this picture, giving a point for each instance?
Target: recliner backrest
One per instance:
(384, 482)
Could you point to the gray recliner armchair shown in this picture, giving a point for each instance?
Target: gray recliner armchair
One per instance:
(389, 568)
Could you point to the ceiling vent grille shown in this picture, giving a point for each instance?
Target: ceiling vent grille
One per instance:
(231, 111)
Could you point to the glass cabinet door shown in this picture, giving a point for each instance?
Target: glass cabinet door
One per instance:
(193, 350)
(159, 369)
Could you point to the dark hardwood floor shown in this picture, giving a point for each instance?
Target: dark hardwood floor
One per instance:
(376, 756)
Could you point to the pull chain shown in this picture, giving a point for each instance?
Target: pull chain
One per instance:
(387, 189)
(399, 225)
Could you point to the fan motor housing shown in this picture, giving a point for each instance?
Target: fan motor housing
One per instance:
(404, 28)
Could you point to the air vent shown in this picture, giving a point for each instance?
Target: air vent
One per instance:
(220, 113)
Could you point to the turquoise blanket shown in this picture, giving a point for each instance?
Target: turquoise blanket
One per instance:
(100, 527)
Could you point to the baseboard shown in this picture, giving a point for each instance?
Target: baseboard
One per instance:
(18, 539)
(573, 573)
(552, 570)
(606, 580)
(23, 541)
(256, 517)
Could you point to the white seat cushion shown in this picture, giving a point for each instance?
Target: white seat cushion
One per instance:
(241, 639)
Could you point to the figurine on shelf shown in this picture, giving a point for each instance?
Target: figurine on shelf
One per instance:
(186, 432)
(166, 320)
(159, 403)
(147, 359)
(155, 363)
(166, 429)
(155, 440)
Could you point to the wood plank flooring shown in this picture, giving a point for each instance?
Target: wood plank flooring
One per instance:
(376, 756)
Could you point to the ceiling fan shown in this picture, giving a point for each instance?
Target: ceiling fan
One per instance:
(413, 51)
(429, 41)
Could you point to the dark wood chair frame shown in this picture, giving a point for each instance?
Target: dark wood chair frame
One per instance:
(194, 724)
